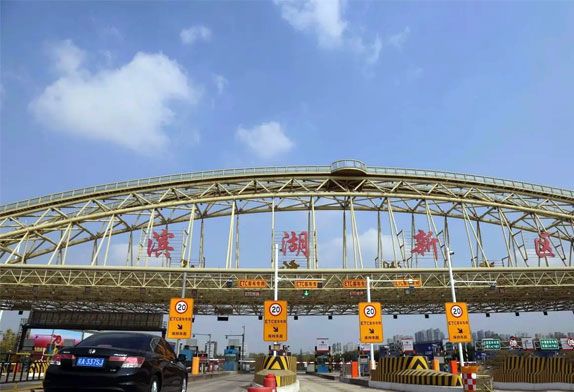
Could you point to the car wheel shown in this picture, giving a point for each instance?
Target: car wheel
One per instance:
(154, 385)
(184, 385)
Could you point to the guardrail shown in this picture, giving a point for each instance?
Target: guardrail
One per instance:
(19, 368)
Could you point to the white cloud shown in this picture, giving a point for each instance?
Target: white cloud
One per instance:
(325, 19)
(220, 82)
(66, 57)
(319, 16)
(398, 40)
(265, 140)
(129, 105)
(194, 34)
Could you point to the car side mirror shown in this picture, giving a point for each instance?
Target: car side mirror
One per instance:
(181, 358)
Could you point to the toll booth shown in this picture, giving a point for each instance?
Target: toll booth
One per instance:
(189, 352)
(323, 357)
(231, 355)
(364, 352)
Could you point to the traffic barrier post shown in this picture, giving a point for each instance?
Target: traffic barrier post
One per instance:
(469, 376)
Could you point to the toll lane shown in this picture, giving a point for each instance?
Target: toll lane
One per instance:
(230, 383)
(317, 384)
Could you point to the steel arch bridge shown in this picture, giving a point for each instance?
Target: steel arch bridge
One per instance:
(529, 268)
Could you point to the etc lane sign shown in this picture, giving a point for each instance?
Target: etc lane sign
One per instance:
(457, 322)
(275, 321)
(180, 318)
(370, 322)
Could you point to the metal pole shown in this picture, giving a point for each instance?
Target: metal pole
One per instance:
(243, 345)
(372, 354)
(276, 285)
(183, 284)
(453, 292)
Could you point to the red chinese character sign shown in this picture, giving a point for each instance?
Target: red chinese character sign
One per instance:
(294, 243)
(425, 242)
(543, 246)
(159, 245)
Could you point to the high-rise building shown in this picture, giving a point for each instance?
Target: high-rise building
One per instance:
(337, 348)
(429, 335)
(349, 347)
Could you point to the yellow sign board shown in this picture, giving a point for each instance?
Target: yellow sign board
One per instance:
(355, 283)
(275, 321)
(405, 283)
(307, 284)
(457, 322)
(252, 284)
(370, 322)
(180, 315)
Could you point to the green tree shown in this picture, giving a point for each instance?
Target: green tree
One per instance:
(8, 342)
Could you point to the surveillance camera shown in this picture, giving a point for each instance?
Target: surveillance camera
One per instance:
(451, 252)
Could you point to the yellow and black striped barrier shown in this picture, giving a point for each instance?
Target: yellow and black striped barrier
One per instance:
(412, 370)
(284, 368)
(535, 370)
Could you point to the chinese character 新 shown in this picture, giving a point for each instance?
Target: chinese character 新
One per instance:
(543, 245)
(295, 243)
(160, 244)
(424, 242)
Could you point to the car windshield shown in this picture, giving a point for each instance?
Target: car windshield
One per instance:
(131, 342)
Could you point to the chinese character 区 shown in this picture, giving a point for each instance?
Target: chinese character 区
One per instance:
(424, 242)
(543, 245)
(160, 244)
(293, 243)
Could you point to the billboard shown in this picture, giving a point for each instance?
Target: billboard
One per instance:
(407, 345)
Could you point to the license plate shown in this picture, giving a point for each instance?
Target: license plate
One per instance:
(90, 362)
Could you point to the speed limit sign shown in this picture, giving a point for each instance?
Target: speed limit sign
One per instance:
(456, 311)
(180, 307)
(370, 311)
(275, 309)
(275, 321)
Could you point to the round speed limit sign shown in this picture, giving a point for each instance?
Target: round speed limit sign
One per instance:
(181, 307)
(456, 311)
(275, 309)
(370, 311)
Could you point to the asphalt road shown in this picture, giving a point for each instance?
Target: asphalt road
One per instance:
(230, 383)
(317, 384)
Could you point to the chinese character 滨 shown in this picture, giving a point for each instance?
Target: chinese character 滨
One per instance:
(543, 245)
(160, 244)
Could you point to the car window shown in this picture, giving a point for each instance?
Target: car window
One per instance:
(159, 349)
(168, 350)
(131, 342)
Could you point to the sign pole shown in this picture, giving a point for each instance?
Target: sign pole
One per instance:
(372, 354)
(276, 285)
(182, 296)
(453, 292)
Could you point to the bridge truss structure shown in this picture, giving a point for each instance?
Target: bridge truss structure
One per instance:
(55, 250)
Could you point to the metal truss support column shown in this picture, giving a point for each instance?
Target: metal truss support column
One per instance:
(130, 254)
(237, 241)
(273, 233)
(16, 250)
(202, 243)
(314, 235)
(433, 229)
(344, 239)
(186, 244)
(357, 254)
(57, 250)
(379, 240)
(230, 238)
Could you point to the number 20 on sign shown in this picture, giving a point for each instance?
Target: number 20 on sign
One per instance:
(457, 322)
(370, 322)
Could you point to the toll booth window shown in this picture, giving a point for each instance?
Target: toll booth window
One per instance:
(132, 342)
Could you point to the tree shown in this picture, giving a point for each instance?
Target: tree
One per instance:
(8, 342)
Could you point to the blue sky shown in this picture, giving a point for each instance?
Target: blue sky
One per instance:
(95, 92)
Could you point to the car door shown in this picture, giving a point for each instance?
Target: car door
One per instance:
(171, 371)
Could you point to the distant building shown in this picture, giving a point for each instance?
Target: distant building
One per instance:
(429, 335)
(337, 348)
(349, 347)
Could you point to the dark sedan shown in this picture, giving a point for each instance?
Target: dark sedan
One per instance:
(117, 361)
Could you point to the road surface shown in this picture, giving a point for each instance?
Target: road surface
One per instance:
(317, 384)
(239, 383)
